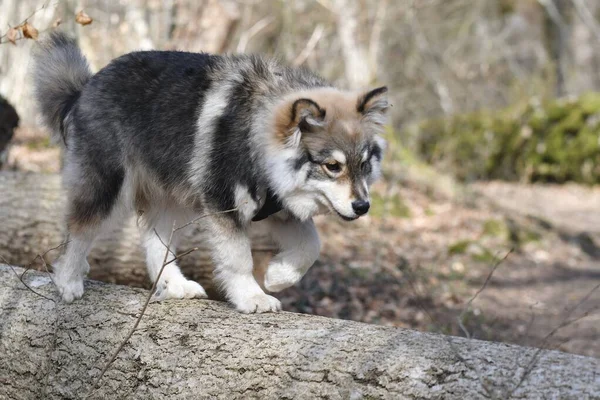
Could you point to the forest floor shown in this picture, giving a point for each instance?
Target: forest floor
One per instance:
(419, 270)
(428, 246)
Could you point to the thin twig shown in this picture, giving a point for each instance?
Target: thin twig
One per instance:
(327, 5)
(374, 40)
(23, 22)
(481, 289)
(23, 282)
(163, 243)
(310, 46)
(195, 220)
(180, 256)
(138, 320)
(526, 333)
(29, 266)
(45, 264)
(152, 290)
(452, 345)
(566, 322)
(30, 15)
(254, 29)
(587, 17)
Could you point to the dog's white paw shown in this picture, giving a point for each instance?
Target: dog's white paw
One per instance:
(281, 275)
(258, 303)
(177, 287)
(69, 288)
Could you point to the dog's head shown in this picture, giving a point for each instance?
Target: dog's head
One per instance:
(332, 141)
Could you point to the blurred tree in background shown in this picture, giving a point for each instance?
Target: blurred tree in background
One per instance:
(438, 56)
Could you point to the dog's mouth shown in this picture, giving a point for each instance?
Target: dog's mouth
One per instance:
(346, 218)
(326, 202)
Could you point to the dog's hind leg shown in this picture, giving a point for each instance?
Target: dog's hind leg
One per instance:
(92, 196)
(159, 224)
(300, 246)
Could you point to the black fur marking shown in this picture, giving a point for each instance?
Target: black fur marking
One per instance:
(376, 152)
(65, 108)
(167, 110)
(300, 161)
(101, 191)
(143, 108)
(302, 124)
(365, 99)
(366, 167)
(322, 156)
(230, 157)
(272, 205)
(9, 120)
(316, 171)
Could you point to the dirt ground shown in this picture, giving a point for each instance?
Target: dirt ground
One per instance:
(421, 269)
(424, 252)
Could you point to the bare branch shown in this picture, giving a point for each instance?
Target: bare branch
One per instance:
(481, 289)
(566, 322)
(138, 320)
(375, 38)
(45, 5)
(41, 257)
(195, 220)
(310, 45)
(153, 289)
(254, 30)
(23, 282)
(587, 17)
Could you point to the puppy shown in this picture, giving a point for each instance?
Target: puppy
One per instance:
(173, 134)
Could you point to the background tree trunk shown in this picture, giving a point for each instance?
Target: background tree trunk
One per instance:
(204, 349)
(31, 222)
(355, 53)
(557, 28)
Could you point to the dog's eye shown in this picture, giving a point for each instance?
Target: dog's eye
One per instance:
(334, 167)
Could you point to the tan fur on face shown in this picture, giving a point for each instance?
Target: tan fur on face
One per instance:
(342, 116)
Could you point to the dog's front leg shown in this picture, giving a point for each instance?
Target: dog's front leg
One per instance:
(300, 246)
(231, 251)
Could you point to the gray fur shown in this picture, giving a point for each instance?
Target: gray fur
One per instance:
(60, 73)
(172, 134)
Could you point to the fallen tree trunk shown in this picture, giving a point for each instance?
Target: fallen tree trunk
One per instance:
(31, 222)
(204, 349)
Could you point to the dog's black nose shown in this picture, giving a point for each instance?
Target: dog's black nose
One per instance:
(360, 207)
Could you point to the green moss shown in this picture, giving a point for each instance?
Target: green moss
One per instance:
(523, 236)
(590, 103)
(484, 255)
(459, 247)
(496, 228)
(392, 206)
(555, 141)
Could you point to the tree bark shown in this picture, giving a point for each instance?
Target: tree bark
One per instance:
(32, 222)
(355, 53)
(557, 28)
(203, 349)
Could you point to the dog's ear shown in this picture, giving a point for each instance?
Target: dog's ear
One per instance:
(374, 104)
(306, 115)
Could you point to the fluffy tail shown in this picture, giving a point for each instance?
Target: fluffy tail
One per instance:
(59, 74)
